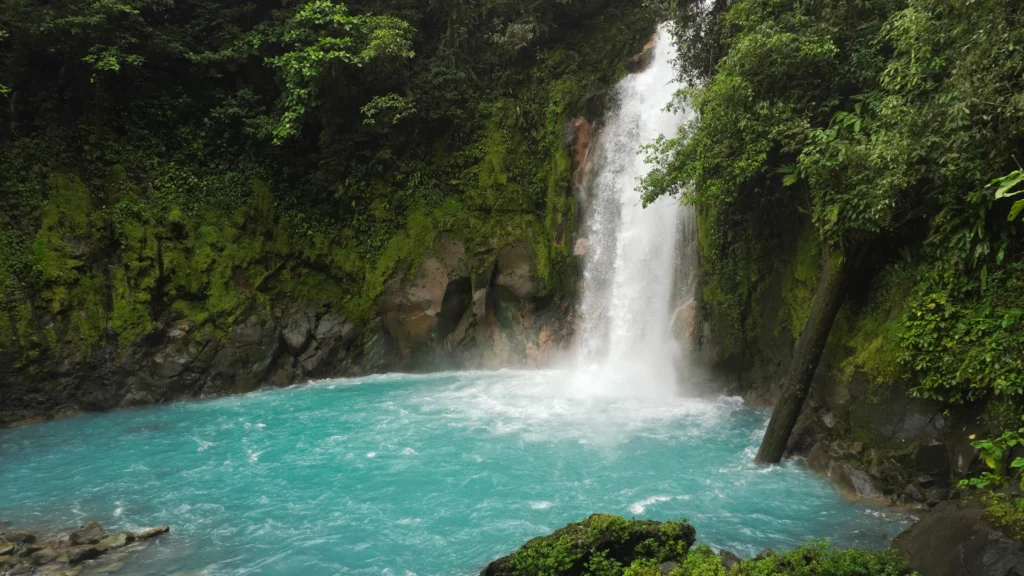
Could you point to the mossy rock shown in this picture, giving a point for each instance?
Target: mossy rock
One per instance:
(601, 538)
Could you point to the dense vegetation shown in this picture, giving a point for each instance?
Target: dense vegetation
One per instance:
(194, 160)
(605, 545)
(881, 137)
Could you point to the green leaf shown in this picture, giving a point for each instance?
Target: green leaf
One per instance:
(1016, 209)
(1008, 182)
(1017, 463)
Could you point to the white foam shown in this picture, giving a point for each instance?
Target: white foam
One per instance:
(541, 505)
(641, 506)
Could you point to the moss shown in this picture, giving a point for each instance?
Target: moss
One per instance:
(1005, 513)
(602, 542)
(800, 279)
(605, 545)
(869, 335)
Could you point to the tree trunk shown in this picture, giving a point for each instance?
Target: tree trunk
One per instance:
(827, 300)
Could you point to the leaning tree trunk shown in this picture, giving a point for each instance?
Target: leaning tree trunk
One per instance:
(827, 300)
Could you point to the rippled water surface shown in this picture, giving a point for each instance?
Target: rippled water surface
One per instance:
(427, 475)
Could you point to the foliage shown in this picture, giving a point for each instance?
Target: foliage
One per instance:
(1005, 513)
(222, 159)
(994, 453)
(885, 122)
(604, 545)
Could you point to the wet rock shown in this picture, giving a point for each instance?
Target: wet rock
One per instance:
(954, 540)
(583, 131)
(296, 332)
(933, 460)
(152, 532)
(118, 540)
(18, 536)
(581, 247)
(515, 270)
(729, 560)
(763, 554)
(77, 554)
(925, 481)
(44, 556)
(109, 568)
(862, 483)
(913, 493)
(6, 548)
(90, 533)
(640, 62)
(933, 496)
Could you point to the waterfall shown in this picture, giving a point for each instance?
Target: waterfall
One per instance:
(638, 281)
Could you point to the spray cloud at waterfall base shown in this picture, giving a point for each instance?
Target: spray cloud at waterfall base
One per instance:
(639, 271)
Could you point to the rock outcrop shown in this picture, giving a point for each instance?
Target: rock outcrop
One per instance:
(954, 540)
(23, 552)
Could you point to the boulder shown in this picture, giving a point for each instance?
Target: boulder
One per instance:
(763, 554)
(933, 459)
(6, 548)
(44, 556)
(954, 540)
(729, 560)
(119, 540)
(90, 533)
(296, 332)
(667, 567)
(77, 554)
(18, 536)
(152, 532)
(614, 537)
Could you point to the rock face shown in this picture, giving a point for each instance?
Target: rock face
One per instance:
(954, 540)
(453, 309)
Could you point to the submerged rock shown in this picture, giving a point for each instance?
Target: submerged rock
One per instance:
(152, 532)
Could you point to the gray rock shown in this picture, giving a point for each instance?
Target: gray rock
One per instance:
(954, 540)
(933, 496)
(667, 567)
(90, 533)
(152, 532)
(913, 493)
(296, 332)
(766, 553)
(729, 560)
(44, 556)
(76, 554)
(118, 540)
(861, 483)
(933, 460)
(6, 548)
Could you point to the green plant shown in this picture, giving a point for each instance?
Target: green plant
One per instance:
(993, 453)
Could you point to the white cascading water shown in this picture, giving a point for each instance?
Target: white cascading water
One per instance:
(639, 267)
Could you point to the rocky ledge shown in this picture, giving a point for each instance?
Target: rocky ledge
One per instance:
(604, 545)
(90, 546)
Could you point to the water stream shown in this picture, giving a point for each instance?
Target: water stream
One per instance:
(633, 274)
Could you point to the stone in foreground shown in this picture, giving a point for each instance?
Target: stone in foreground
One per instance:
(569, 550)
